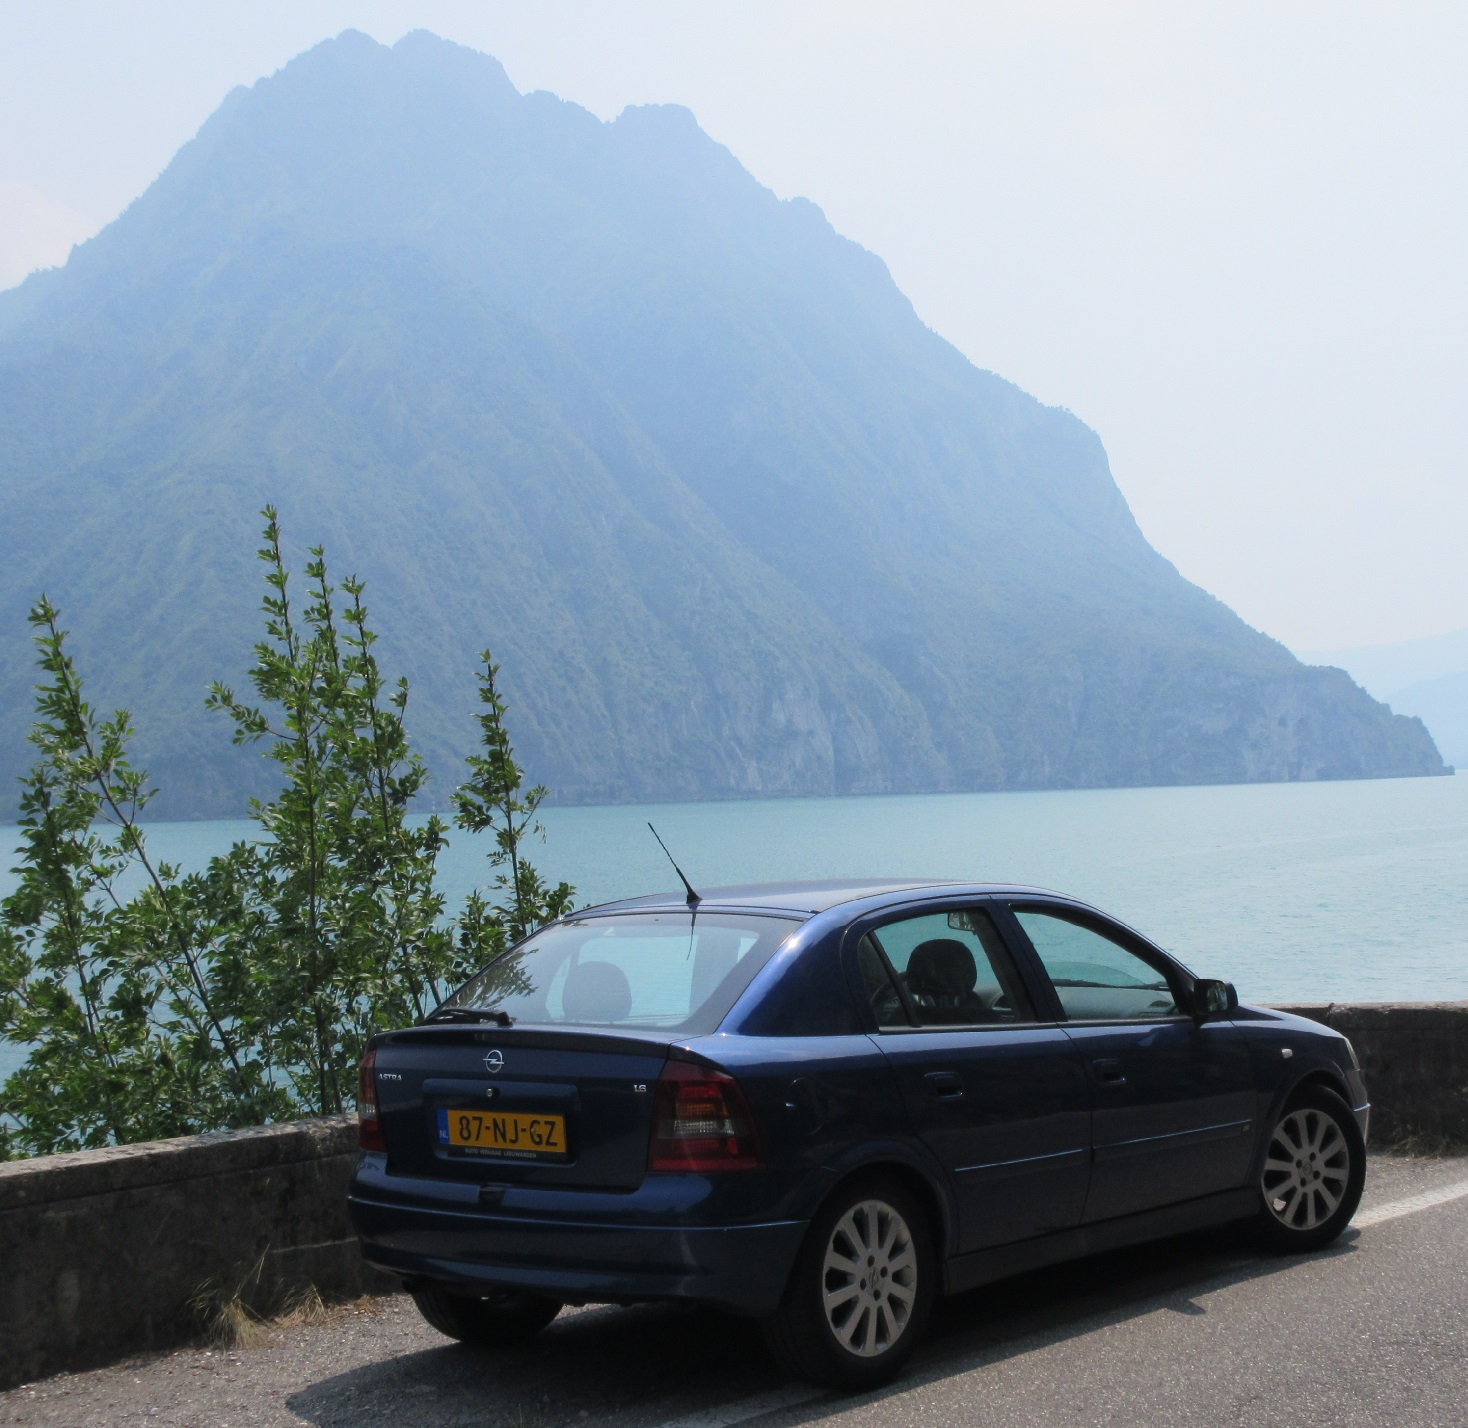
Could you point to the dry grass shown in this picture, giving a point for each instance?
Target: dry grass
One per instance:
(230, 1322)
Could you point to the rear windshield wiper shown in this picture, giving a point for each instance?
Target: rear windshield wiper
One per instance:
(503, 1018)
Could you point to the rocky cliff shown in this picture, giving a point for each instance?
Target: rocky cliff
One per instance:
(734, 521)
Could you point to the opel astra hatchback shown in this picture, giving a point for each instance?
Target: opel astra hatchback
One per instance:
(823, 1105)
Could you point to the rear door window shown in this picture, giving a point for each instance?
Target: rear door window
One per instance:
(1095, 977)
(881, 991)
(953, 968)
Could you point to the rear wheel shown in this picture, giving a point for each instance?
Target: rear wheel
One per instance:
(1314, 1172)
(505, 1316)
(860, 1292)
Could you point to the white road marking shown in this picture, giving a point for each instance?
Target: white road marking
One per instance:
(1411, 1204)
(747, 1408)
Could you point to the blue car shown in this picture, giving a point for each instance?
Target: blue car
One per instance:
(821, 1105)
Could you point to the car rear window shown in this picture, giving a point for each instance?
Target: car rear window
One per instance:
(669, 971)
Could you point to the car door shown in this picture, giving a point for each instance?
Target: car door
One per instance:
(1173, 1101)
(999, 1097)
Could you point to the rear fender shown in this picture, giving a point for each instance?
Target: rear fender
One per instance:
(920, 1172)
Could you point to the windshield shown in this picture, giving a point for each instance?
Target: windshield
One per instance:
(672, 971)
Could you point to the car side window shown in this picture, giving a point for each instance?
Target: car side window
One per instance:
(955, 969)
(1095, 978)
(881, 993)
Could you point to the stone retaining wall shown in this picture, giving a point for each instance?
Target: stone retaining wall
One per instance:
(107, 1252)
(1414, 1056)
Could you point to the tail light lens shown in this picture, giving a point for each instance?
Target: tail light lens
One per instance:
(369, 1124)
(701, 1122)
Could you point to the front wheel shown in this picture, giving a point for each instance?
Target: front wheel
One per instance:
(860, 1292)
(1314, 1172)
(503, 1317)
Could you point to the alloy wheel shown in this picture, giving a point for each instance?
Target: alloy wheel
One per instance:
(1307, 1169)
(869, 1282)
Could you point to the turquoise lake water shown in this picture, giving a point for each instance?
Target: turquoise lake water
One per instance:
(1318, 891)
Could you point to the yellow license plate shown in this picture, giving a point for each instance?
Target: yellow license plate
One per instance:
(510, 1134)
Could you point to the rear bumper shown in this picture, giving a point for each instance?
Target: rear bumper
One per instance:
(742, 1268)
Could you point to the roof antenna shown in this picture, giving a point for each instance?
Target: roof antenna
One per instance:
(693, 897)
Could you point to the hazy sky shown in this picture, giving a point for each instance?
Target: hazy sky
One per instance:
(1231, 238)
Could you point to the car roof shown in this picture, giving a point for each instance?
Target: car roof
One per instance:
(810, 898)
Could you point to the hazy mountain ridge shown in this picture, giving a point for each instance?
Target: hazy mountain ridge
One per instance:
(1426, 677)
(734, 521)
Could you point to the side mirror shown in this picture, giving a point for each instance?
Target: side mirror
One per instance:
(1212, 998)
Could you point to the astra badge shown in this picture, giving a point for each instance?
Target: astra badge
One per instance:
(494, 1060)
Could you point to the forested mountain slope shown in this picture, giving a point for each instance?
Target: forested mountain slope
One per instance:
(734, 521)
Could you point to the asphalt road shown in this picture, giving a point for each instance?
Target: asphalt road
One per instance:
(1199, 1330)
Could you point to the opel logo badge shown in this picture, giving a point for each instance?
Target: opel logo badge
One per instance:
(494, 1060)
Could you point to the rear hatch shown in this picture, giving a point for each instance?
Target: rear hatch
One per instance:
(543, 1068)
(519, 1105)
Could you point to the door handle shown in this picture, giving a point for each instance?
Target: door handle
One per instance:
(946, 1085)
(1108, 1071)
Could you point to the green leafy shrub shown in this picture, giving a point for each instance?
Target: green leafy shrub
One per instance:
(159, 1003)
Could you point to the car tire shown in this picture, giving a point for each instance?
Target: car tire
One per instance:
(1314, 1172)
(502, 1317)
(861, 1289)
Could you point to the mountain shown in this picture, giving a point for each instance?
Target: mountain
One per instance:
(1442, 705)
(1382, 670)
(1426, 677)
(733, 519)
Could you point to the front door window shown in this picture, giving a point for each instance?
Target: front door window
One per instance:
(1095, 978)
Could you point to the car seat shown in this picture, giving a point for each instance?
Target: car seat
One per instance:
(941, 975)
(596, 992)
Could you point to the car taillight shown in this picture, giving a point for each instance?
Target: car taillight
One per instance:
(700, 1122)
(369, 1124)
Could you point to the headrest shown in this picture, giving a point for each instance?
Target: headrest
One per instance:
(941, 967)
(596, 992)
